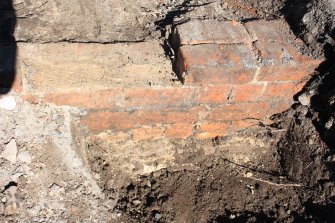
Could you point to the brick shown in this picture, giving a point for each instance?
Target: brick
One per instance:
(213, 94)
(100, 121)
(99, 99)
(282, 90)
(280, 106)
(215, 64)
(179, 131)
(210, 31)
(217, 55)
(211, 130)
(218, 75)
(248, 92)
(231, 112)
(273, 30)
(118, 136)
(64, 67)
(166, 116)
(158, 97)
(291, 72)
(274, 53)
(147, 133)
(122, 99)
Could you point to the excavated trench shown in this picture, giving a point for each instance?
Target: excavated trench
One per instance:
(292, 181)
(278, 171)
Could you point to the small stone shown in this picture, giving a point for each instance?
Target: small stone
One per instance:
(136, 202)
(7, 102)
(24, 157)
(305, 99)
(11, 208)
(10, 152)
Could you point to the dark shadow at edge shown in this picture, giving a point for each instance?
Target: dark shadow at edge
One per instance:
(8, 46)
(324, 84)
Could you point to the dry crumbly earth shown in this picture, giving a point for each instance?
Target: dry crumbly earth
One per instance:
(283, 172)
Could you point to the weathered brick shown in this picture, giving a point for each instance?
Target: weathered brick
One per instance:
(99, 99)
(231, 112)
(166, 116)
(158, 97)
(282, 90)
(147, 133)
(211, 130)
(100, 121)
(280, 106)
(212, 94)
(273, 30)
(248, 92)
(210, 31)
(59, 67)
(238, 57)
(117, 136)
(274, 53)
(217, 55)
(122, 99)
(179, 131)
(218, 75)
(291, 72)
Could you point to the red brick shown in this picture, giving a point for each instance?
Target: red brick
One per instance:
(211, 55)
(273, 30)
(211, 130)
(231, 112)
(166, 117)
(248, 92)
(283, 54)
(290, 72)
(218, 75)
(158, 97)
(125, 99)
(90, 100)
(213, 94)
(179, 131)
(280, 106)
(282, 90)
(210, 31)
(147, 133)
(100, 121)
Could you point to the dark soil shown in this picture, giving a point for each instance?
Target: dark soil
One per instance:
(296, 181)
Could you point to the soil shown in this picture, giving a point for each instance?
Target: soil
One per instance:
(279, 172)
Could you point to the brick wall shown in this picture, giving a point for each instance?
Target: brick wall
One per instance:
(234, 76)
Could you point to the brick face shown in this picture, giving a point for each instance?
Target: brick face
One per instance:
(179, 131)
(248, 92)
(211, 130)
(282, 90)
(210, 31)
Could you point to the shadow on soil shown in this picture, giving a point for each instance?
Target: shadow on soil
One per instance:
(7, 46)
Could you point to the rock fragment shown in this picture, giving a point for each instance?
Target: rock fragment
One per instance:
(10, 152)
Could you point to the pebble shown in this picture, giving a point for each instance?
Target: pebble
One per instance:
(10, 152)
(305, 99)
(25, 157)
(7, 102)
